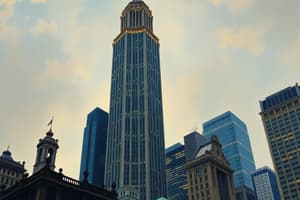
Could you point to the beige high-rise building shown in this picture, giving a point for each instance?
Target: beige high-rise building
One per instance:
(209, 175)
(280, 113)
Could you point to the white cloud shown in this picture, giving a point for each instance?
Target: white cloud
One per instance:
(43, 26)
(7, 10)
(70, 72)
(74, 74)
(291, 54)
(233, 5)
(8, 32)
(246, 37)
(38, 1)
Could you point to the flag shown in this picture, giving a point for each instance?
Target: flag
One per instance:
(50, 123)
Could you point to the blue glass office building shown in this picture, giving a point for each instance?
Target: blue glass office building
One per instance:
(265, 184)
(280, 114)
(233, 135)
(135, 158)
(94, 147)
(176, 172)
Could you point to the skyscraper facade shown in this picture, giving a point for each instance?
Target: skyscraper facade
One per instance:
(280, 114)
(265, 184)
(233, 135)
(192, 142)
(94, 147)
(135, 150)
(176, 172)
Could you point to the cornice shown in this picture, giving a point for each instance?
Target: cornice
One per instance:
(134, 31)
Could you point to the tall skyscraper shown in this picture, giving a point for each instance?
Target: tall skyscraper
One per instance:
(135, 157)
(233, 135)
(209, 175)
(280, 114)
(192, 142)
(94, 147)
(265, 184)
(176, 172)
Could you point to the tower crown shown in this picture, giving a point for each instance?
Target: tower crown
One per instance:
(137, 15)
(46, 152)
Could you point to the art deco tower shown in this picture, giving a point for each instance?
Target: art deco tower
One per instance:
(135, 157)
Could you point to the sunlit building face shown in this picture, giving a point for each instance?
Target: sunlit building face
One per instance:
(280, 114)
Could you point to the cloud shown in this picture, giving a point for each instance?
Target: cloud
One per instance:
(8, 32)
(247, 37)
(6, 9)
(199, 79)
(291, 54)
(70, 72)
(38, 1)
(43, 26)
(233, 5)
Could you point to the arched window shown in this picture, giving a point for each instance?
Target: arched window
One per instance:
(50, 153)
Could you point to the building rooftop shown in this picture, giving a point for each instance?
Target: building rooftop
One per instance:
(203, 149)
(259, 170)
(47, 177)
(280, 97)
(221, 119)
(173, 147)
(6, 155)
(6, 159)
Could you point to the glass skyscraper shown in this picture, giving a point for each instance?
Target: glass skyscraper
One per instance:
(135, 158)
(176, 172)
(265, 184)
(280, 114)
(192, 143)
(233, 135)
(94, 147)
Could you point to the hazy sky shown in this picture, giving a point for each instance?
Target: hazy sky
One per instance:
(216, 55)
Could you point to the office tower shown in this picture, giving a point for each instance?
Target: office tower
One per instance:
(209, 174)
(265, 184)
(192, 142)
(11, 171)
(94, 147)
(233, 135)
(280, 114)
(176, 173)
(46, 152)
(135, 157)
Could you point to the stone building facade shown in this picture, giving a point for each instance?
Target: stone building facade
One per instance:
(209, 175)
(10, 171)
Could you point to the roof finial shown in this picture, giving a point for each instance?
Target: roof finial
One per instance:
(195, 128)
(7, 148)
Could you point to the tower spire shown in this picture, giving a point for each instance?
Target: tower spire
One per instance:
(46, 151)
(136, 15)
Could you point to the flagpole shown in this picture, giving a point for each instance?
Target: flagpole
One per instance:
(51, 123)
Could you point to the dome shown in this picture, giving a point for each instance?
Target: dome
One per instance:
(6, 155)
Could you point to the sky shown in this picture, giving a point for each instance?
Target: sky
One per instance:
(216, 56)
